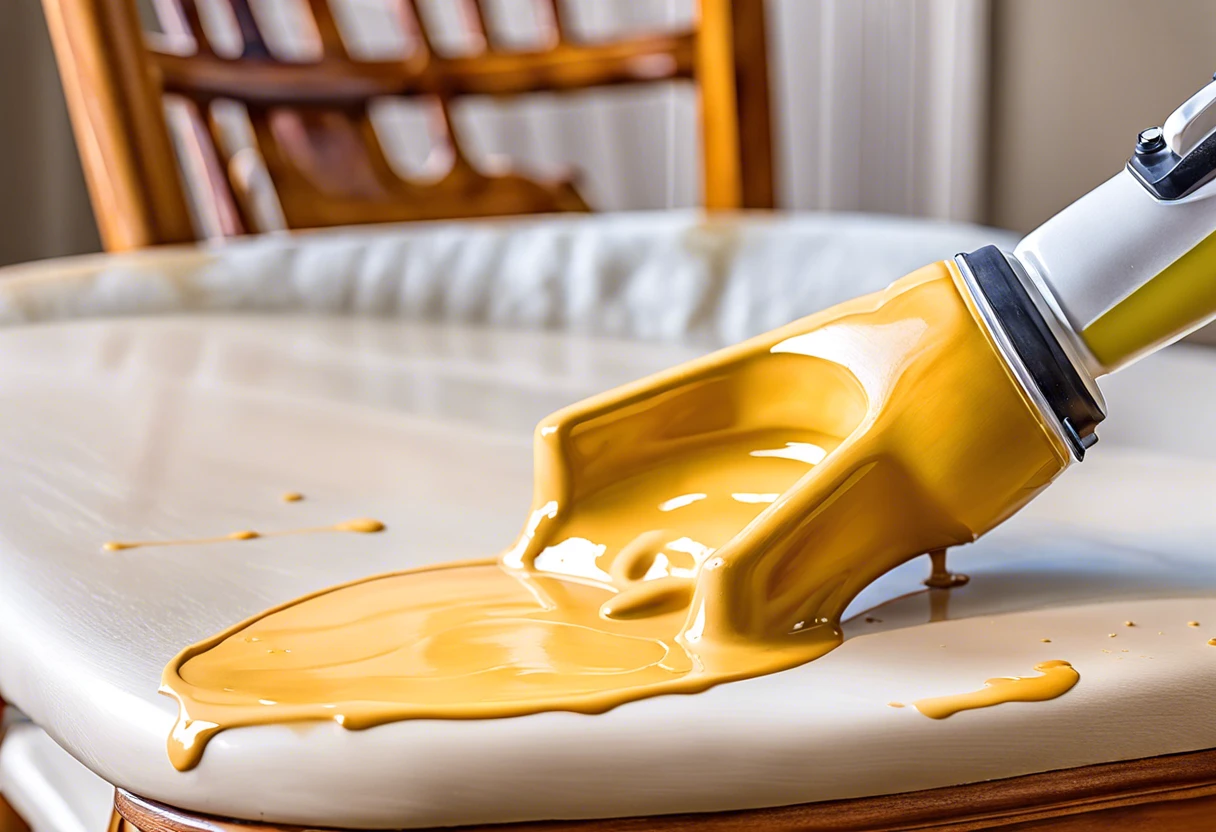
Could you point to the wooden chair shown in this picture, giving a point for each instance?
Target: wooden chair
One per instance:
(311, 126)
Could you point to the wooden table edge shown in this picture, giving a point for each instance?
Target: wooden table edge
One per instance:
(1030, 798)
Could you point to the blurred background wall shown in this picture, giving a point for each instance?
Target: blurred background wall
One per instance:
(998, 111)
(1073, 82)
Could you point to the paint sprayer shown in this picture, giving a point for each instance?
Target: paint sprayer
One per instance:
(1125, 270)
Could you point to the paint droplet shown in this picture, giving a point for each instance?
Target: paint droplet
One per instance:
(363, 525)
(1104, 650)
(872, 620)
(901, 704)
(1129, 623)
(1114, 635)
(247, 534)
(1212, 641)
(1161, 632)
(1045, 640)
(1192, 623)
(115, 546)
(1124, 650)
(292, 497)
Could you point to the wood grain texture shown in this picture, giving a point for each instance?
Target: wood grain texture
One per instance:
(736, 140)
(311, 119)
(1175, 793)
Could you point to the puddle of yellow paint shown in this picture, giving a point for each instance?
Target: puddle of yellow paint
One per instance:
(707, 524)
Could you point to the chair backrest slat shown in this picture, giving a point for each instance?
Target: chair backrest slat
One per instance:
(311, 124)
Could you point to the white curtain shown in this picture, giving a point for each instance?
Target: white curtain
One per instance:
(882, 104)
(879, 106)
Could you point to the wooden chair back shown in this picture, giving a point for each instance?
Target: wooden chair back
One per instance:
(312, 129)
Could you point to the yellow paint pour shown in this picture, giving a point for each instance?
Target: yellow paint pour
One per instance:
(706, 524)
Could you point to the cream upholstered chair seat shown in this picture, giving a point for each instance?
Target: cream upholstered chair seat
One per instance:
(396, 373)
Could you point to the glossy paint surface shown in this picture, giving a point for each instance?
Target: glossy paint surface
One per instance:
(182, 427)
(703, 525)
(1056, 678)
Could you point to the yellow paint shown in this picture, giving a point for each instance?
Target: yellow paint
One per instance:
(1057, 679)
(940, 577)
(706, 524)
(362, 525)
(292, 497)
(1166, 306)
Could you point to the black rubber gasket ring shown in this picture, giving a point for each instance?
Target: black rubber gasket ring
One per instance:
(1053, 373)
